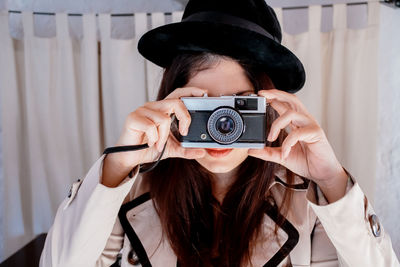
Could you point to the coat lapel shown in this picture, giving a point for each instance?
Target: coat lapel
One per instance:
(290, 231)
(142, 226)
(136, 243)
(143, 229)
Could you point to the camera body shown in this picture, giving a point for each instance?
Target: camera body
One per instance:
(226, 122)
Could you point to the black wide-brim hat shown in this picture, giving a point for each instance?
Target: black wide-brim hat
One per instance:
(246, 30)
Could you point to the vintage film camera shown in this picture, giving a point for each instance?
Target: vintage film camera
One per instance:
(226, 122)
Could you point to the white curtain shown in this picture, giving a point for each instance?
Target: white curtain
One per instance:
(63, 100)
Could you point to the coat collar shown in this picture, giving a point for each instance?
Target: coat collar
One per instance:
(287, 232)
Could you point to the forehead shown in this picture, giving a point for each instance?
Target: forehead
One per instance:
(226, 77)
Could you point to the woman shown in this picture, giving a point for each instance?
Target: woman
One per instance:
(288, 204)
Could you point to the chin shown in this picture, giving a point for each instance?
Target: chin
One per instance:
(224, 164)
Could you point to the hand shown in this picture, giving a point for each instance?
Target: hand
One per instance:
(151, 124)
(306, 150)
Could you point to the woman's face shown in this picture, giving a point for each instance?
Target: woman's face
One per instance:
(226, 77)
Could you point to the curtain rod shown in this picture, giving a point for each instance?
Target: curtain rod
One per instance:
(170, 13)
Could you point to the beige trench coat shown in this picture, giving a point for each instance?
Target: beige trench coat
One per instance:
(87, 230)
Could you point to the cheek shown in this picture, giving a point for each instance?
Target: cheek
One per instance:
(224, 164)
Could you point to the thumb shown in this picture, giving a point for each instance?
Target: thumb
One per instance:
(267, 153)
(175, 150)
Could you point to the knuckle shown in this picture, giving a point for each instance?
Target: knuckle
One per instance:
(178, 102)
(152, 134)
(297, 132)
(146, 104)
(166, 119)
(290, 113)
(180, 105)
(140, 109)
(148, 125)
(172, 101)
(131, 118)
(295, 98)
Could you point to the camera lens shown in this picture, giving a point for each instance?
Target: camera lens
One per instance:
(225, 125)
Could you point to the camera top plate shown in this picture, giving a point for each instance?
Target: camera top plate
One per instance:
(246, 104)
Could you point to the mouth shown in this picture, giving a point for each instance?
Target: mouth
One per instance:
(218, 152)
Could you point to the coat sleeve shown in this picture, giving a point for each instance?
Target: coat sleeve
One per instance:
(85, 222)
(344, 230)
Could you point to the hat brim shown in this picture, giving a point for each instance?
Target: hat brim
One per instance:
(162, 44)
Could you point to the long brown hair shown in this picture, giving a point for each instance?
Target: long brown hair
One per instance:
(201, 231)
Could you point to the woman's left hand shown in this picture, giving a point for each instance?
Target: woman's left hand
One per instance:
(306, 150)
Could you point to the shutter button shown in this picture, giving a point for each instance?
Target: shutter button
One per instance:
(133, 258)
(375, 225)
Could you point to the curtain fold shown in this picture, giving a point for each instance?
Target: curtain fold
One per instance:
(12, 139)
(64, 100)
(122, 75)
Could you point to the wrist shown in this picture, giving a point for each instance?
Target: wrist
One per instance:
(114, 171)
(335, 187)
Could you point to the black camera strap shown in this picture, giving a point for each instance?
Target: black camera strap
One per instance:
(117, 149)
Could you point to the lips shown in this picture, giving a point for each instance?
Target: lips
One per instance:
(218, 152)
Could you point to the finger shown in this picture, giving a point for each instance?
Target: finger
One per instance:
(290, 117)
(173, 106)
(163, 121)
(280, 107)
(143, 124)
(291, 99)
(272, 154)
(310, 134)
(164, 130)
(186, 91)
(175, 150)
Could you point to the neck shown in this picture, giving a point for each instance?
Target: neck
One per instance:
(221, 183)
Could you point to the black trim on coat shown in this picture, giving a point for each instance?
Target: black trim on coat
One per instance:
(293, 235)
(270, 209)
(302, 186)
(137, 246)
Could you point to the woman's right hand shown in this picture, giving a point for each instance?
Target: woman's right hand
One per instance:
(151, 124)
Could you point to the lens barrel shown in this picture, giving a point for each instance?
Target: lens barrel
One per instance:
(225, 125)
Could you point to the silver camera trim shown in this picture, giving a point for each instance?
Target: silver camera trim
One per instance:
(216, 145)
(193, 103)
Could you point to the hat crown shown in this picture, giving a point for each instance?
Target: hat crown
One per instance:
(256, 11)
